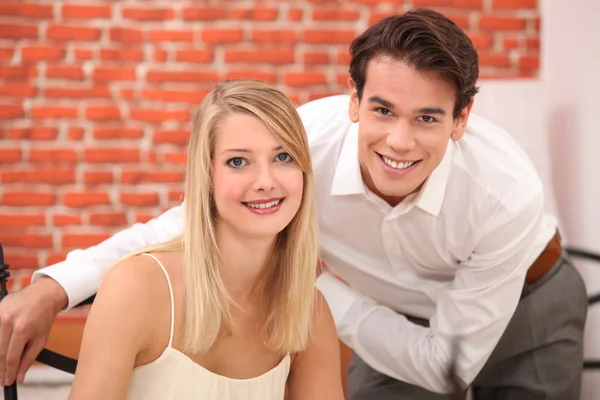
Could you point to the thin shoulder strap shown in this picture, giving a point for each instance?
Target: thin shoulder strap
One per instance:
(170, 294)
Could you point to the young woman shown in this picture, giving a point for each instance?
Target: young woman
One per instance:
(228, 310)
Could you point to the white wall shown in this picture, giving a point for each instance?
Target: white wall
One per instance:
(557, 121)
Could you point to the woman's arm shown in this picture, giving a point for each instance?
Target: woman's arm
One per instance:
(118, 327)
(315, 372)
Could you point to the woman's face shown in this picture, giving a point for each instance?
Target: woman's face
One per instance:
(257, 186)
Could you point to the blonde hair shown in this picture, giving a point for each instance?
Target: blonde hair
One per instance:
(288, 283)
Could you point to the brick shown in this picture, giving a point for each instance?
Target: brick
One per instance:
(254, 13)
(158, 116)
(20, 261)
(75, 133)
(108, 219)
(467, 4)
(274, 36)
(110, 133)
(66, 219)
(532, 43)
(300, 79)
(9, 155)
(113, 74)
(147, 14)
(71, 11)
(329, 36)
(54, 258)
(176, 196)
(494, 60)
(295, 15)
(335, 14)
(175, 158)
(122, 54)
(83, 54)
(126, 35)
(43, 112)
(49, 176)
(529, 62)
(18, 31)
(28, 198)
(342, 78)
(160, 55)
(21, 72)
(142, 218)
(103, 113)
(195, 55)
(482, 42)
(33, 133)
(511, 43)
(86, 199)
(72, 33)
(178, 137)
(97, 177)
(26, 10)
(136, 176)
(72, 72)
(377, 16)
(6, 53)
(111, 155)
(191, 76)
(18, 90)
(139, 199)
(128, 95)
(42, 53)
(266, 55)
(95, 92)
(491, 22)
(27, 240)
(172, 35)
(203, 13)
(270, 77)
(11, 111)
(514, 4)
(175, 96)
(316, 58)
(53, 156)
(222, 35)
(83, 240)
(21, 220)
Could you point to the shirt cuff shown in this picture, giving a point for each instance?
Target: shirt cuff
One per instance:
(79, 283)
(339, 296)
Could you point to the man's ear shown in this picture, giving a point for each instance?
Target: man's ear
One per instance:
(354, 102)
(460, 123)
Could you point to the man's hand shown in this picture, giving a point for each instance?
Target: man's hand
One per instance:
(25, 321)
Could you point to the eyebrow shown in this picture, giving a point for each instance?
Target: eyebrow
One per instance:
(276, 148)
(385, 103)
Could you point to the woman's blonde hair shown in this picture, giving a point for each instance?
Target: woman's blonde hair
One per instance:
(288, 283)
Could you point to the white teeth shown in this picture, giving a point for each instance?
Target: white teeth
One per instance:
(264, 205)
(394, 164)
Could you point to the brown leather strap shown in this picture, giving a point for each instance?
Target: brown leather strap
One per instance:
(545, 261)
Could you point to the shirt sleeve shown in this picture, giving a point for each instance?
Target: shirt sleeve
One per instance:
(82, 271)
(476, 308)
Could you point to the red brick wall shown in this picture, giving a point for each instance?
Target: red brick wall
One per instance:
(95, 99)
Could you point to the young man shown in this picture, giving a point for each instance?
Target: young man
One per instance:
(431, 218)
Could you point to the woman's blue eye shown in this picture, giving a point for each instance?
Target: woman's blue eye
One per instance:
(283, 157)
(236, 162)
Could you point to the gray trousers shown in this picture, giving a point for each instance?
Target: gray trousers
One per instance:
(539, 356)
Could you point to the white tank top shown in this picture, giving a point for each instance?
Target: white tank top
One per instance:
(173, 375)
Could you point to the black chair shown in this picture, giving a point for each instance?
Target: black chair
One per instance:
(69, 365)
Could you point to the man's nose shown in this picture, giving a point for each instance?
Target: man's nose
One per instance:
(401, 138)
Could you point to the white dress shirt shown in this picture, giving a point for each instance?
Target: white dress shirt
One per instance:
(456, 253)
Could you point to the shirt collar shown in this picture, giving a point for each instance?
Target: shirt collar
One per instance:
(348, 179)
(431, 196)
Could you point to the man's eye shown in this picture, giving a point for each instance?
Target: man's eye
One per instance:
(236, 162)
(426, 119)
(283, 157)
(383, 111)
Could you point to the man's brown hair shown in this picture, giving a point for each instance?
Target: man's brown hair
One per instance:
(426, 41)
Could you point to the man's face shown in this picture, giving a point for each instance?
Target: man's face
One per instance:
(405, 122)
